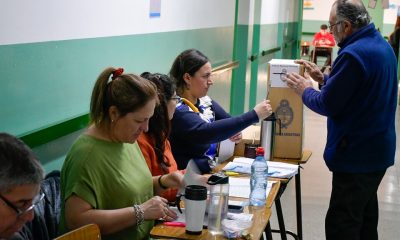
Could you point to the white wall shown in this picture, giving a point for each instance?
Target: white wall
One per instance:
(278, 11)
(272, 11)
(246, 12)
(320, 12)
(390, 15)
(322, 8)
(26, 21)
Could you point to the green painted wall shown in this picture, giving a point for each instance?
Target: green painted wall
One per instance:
(46, 86)
(376, 14)
(47, 83)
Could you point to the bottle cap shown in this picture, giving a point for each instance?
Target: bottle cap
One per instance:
(260, 151)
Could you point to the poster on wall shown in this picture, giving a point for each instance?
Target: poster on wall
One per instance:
(385, 4)
(155, 8)
(308, 5)
(372, 3)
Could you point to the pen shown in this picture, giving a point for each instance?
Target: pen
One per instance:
(231, 173)
(174, 224)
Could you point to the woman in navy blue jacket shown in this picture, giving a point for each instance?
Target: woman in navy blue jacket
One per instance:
(199, 122)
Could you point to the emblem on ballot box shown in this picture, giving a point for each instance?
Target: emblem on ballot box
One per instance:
(285, 113)
(282, 74)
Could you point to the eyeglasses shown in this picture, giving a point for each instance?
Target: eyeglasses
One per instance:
(36, 200)
(177, 99)
(331, 26)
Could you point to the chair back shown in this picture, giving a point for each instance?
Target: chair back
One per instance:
(305, 48)
(87, 232)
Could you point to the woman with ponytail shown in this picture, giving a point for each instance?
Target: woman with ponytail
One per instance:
(105, 179)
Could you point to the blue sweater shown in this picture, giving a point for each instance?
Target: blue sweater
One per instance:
(359, 98)
(191, 136)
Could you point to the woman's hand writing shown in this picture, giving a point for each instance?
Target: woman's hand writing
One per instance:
(157, 208)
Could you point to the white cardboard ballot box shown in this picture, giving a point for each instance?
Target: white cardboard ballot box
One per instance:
(288, 108)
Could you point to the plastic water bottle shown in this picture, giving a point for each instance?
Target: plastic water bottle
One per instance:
(258, 181)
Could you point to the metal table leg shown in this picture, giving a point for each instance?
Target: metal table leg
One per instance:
(268, 231)
(298, 206)
(282, 229)
(281, 223)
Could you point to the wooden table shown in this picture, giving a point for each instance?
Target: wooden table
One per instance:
(261, 217)
(324, 51)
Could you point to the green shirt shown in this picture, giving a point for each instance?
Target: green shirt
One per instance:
(108, 176)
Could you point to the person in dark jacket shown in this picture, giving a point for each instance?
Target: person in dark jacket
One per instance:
(199, 122)
(44, 225)
(394, 39)
(359, 99)
(20, 177)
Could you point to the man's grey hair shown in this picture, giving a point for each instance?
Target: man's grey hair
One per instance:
(353, 11)
(18, 164)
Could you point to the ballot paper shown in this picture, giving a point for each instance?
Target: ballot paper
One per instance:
(275, 169)
(225, 150)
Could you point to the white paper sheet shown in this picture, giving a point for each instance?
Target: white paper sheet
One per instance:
(275, 169)
(225, 150)
(240, 187)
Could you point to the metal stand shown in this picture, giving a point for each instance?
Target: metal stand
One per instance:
(298, 206)
(282, 230)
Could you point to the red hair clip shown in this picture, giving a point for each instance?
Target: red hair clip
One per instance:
(117, 72)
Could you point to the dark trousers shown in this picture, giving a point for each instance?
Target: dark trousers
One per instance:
(353, 208)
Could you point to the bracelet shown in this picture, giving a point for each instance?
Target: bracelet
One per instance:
(159, 183)
(139, 214)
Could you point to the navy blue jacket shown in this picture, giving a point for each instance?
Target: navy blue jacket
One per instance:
(191, 136)
(359, 98)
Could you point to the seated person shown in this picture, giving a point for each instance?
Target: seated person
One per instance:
(326, 41)
(199, 122)
(105, 179)
(44, 225)
(20, 177)
(154, 143)
(323, 37)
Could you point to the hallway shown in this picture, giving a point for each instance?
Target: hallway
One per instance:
(316, 187)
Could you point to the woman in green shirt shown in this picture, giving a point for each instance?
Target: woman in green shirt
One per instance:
(105, 179)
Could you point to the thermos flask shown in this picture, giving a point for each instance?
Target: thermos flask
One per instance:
(267, 135)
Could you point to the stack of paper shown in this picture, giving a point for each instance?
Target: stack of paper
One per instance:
(275, 169)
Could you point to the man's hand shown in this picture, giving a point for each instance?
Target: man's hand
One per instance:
(297, 82)
(312, 70)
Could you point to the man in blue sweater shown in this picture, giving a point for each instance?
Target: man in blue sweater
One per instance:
(359, 98)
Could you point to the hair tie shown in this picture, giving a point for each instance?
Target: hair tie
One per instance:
(116, 73)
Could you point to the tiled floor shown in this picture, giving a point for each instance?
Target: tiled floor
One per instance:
(316, 187)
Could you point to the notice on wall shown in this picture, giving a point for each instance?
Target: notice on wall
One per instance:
(155, 8)
(385, 4)
(308, 5)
